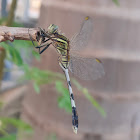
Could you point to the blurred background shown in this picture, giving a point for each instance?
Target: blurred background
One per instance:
(34, 100)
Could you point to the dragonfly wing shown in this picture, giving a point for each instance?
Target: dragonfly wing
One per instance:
(80, 40)
(86, 68)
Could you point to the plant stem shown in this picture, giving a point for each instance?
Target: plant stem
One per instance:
(11, 13)
(2, 57)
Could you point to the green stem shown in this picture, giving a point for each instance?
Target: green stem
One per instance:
(11, 13)
(3, 132)
(2, 57)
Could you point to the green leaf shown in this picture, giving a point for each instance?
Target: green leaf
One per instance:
(36, 54)
(116, 2)
(12, 54)
(22, 44)
(26, 47)
(94, 102)
(52, 137)
(15, 122)
(2, 130)
(1, 104)
(9, 137)
(63, 99)
(36, 87)
(90, 98)
(64, 103)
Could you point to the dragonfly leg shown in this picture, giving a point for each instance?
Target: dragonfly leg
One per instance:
(38, 47)
(40, 52)
(46, 40)
(41, 46)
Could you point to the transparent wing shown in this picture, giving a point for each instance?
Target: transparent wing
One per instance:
(86, 68)
(80, 40)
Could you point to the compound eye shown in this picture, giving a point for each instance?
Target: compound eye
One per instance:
(52, 29)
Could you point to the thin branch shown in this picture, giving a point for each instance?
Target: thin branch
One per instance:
(17, 33)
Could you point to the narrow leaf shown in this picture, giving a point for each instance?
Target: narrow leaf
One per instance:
(36, 87)
(116, 2)
(9, 137)
(90, 98)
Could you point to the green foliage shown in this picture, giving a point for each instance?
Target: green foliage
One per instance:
(90, 98)
(13, 51)
(17, 123)
(36, 87)
(37, 76)
(52, 137)
(1, 104)
(14, 122)
(12, 54)
(116, 2)
(15, 24)
(63, 99)
(36, 55)
(9, 137)
(2, 20)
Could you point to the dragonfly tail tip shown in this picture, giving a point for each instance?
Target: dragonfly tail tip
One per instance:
(75, 129)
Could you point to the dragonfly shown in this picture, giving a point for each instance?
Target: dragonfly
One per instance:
(82, 67)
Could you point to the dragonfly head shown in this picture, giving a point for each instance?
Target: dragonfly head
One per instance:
(52, 29)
